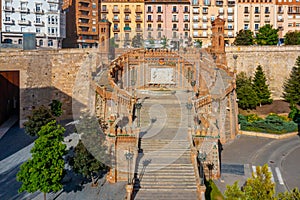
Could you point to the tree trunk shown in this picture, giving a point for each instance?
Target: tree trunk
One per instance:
(45, 195)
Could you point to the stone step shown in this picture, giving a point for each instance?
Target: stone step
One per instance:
(146, 194)
(167, 186)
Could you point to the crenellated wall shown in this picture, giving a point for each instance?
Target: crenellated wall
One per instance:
(276, 61)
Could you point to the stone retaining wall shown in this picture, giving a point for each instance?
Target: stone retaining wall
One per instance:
(268, 135)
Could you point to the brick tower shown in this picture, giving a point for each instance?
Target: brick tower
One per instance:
(104, 35)
(218, 44)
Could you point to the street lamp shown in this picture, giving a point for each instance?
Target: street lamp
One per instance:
(202, 158)
(193, 83)
(138, 106)
(129, 157)
(235, 58)
(189, 106)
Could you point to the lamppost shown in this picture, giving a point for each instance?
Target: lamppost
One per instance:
(138, 107)
(193, 83)
(189, 106)
(202, 158)
(129, 157)
(235, 58)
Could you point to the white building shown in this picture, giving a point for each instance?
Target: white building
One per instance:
(43, 17)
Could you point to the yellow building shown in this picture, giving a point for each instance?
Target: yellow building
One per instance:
(204, 12)
(126, 17)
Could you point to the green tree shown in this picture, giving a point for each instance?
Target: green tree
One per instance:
(45, 170)
(233, 192)
(291, 86)
(91, 155)
(267, 35)
(85, 163)
(292, 38)
(39, 117)
(244, 37)
(257, 187)
(164, 42)
(247, 98)
(198, 43)
(55, 107)
(293, 195)
(137, 41)
(260, 87)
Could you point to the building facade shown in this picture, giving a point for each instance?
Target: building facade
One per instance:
(288, 16)
(168, 18)
(251, 15)
(126, 18)
(204, 12)
(44, 18)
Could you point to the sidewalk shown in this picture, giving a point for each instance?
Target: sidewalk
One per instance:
(7, 125)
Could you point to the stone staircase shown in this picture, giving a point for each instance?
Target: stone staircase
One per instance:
(164, 169)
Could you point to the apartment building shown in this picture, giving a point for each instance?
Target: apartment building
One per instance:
(126, 18)
(41, 17)
(169, 18)
(253, 14)
(288, 16)
(204, 12)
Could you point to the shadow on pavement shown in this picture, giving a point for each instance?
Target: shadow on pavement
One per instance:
(13, 141)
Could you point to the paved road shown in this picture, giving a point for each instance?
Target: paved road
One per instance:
(15, 149)
(282, 156)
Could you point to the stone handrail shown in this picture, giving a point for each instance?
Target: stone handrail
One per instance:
(194, 160)
(200, 102)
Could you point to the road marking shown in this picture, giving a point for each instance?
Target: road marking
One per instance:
(279, 176)
(272, 177)
(254, 170)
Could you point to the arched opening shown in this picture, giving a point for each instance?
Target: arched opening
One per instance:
(41, 42)
(20, 41)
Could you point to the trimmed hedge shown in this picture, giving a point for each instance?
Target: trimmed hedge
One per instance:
(273, 123)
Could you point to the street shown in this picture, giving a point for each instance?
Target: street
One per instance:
(246, 152)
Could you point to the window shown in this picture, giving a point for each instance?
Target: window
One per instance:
(52, 20)
(116, 36)
(104, 8)
(212, 18)
(41, 43)
(246, 26)
(38, 7)
(7, 17)
(23, 5)
(205, 10)
(50, 43)
(94, 6)
(186, 9)
(186, 18)
(20, 41)
(256, 27)
(246, 10)
(186, 34)
(159, 26)
(93, 29)
(23, 29)
(23, 17)
(116, 8)
(115, 17)
(149, 9)
(174, 9)
(53, 7)
(256, 10)
(267, 10)
(230, 26)
(38, 30)
(159, 9)
(174, 26)
(38, 18)
(7, 28)
(149, 17)
(159, 35)
(159, 18)
(174, 34)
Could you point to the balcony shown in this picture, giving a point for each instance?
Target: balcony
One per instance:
(230, 12)
(127, 20)
(174, 11)
(196, 28)
(246, 19)
(40, 23)
(231, 20)
(280, 12)
(116, 30)
(40, 35)
(104, 10)
(256, 19)
(9, 22)
(205, 11)
(149, 20)
(8, 8)
(230, 3)
(229, 28)
(83, 24)
(174, 20)
(149, 29)
(280, 19)
(195, 20)
(149, 11)
(138, 10)
(246, 11)
(186, 29)
(127, 29)
(267, 12)
(138, 19)
(195, 11)
(84, 16)
(159, 20)
(267, 19)
(174, 29)
(159, 11)
(24, 10)
(138, 30)
(116, 10)
(86, 8)
(24, 22)
(186, 20)
(127, 10)
(116, 20)
(38, 11)
(203, 27)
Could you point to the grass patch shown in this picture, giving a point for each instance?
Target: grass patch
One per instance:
(212, 192)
